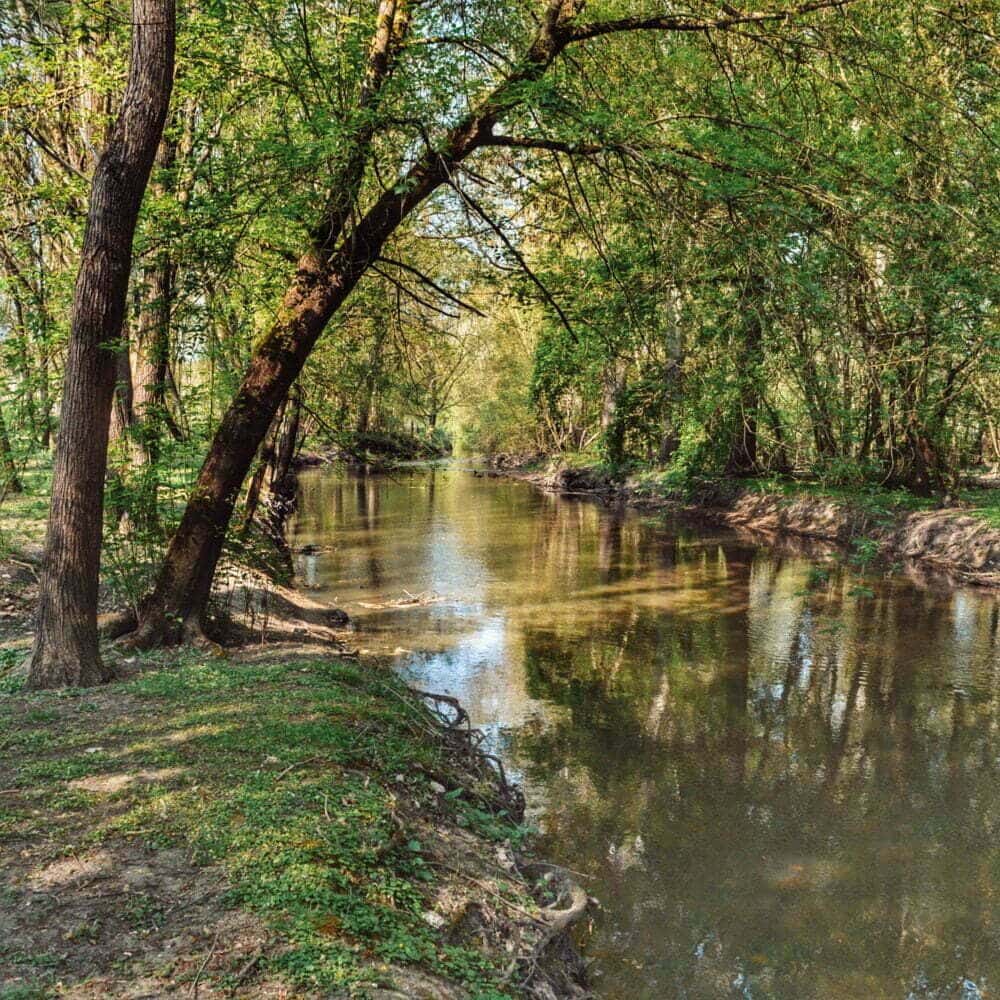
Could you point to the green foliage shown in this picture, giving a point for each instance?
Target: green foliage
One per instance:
(798, 250)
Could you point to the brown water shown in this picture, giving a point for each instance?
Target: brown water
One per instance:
(781, 778)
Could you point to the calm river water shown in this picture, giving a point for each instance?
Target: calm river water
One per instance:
(781, 778)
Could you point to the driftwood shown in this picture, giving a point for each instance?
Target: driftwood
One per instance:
(410, 601)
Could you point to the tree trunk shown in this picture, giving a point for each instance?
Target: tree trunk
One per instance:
(123, 404)
(780, 461)
(288, 442)
(265, 464)
(283, 489)
(742, 460)
(152, 342)
(612, 428)
(176, 605)
(10, 482)
(66, 642)
(120, 435)
(372, 376)
(46, 399)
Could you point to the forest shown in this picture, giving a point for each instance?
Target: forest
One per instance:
(713, 243)
(690, 252)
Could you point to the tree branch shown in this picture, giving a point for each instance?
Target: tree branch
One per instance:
(552, 145)
(433, 284)
(396, 283)
(682, 22)
(535, 280)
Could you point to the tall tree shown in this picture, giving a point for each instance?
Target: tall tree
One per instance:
(345, 242)
(66, 641)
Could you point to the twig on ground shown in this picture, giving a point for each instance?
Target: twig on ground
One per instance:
(298, 763)
(204, 965)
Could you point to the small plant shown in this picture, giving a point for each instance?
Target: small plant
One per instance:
(865, 551)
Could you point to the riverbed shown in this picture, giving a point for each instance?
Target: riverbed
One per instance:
(777, 771)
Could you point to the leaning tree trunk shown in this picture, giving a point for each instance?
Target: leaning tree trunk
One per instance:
(66, 645)
(327, 274)
(175, 608)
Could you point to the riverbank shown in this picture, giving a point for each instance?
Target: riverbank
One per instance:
(262, 826)
(962, 542)
(275, 818)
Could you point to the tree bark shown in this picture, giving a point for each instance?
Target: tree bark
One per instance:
(152, 341)
(66, 641)
(120, 435)
(265, 464)
(123, 404)
(10, 482)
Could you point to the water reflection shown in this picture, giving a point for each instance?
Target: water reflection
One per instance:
(781, 785)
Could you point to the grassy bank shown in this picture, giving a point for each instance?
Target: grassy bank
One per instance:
(278, 828)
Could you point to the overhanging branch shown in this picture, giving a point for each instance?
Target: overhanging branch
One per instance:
(433, 284)
(518, 256)
(681, 22)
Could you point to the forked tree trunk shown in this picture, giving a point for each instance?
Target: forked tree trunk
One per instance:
(326, 276)
(66, 647)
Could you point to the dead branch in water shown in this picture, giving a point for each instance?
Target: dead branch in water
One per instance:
(410, 601)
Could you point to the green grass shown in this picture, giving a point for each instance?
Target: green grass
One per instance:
(22, 515)
(878, 502)
(983, 503)
(295, 778)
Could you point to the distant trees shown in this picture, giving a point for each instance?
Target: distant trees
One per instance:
(784, 275)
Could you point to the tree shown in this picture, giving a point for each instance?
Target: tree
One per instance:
(66, 640)
(10, 482)
(345, 241)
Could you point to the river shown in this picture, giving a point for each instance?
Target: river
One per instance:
(778, 774)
